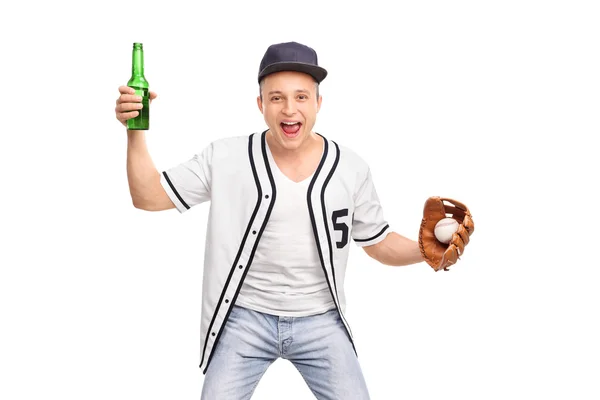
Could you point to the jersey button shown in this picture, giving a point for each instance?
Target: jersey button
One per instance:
(254, 232)
(267, 196)
(241, 266)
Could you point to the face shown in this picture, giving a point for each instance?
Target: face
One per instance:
(290, 105)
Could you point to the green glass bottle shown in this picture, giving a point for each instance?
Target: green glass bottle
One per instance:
(140, 84)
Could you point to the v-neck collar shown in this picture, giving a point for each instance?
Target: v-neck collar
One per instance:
(278, 171)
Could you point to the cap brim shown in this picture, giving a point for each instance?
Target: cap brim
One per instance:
(318, 73)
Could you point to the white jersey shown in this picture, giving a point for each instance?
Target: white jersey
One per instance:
(236, 175)
(286, 277)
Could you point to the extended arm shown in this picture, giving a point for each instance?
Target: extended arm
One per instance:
(395, 250)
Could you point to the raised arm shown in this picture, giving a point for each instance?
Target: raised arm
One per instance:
(144, 179)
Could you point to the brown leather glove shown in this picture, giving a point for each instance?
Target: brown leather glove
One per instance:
(437, 254)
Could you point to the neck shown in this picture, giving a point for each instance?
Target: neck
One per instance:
(307, 146)
(137, 67)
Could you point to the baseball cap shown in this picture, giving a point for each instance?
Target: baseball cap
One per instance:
(291, 56)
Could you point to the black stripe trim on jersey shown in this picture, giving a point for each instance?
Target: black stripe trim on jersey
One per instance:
(373, 237)
(337, 159)
(314, 227)
(175, 191)
(237, 257)
(326, 223)
(260, 232)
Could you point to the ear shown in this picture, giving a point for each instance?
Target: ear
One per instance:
(259, 104)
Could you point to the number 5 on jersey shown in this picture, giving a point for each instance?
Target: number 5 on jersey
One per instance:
(340, 226)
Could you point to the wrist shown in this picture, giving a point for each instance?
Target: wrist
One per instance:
(135, 134)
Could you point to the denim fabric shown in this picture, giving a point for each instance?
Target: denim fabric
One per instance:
(318, 346)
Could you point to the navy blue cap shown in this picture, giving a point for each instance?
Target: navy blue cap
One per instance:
(291, 56)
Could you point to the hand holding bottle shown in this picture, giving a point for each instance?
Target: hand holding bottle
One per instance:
(138, 117)
(129, 104)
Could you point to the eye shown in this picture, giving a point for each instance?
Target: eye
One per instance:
(275, 98)
(303, 97)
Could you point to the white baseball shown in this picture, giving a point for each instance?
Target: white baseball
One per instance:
(444, 229)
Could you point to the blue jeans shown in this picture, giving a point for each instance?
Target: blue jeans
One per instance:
(318, 346)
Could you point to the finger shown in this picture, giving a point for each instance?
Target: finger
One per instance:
(127, 115)
(449, 258)
(458, 242)
(463, 234)
(469, 224)
(126, 90)
(129, 98)
(153, 95)
(125, 107)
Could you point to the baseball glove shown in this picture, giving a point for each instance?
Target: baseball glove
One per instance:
(437, 254)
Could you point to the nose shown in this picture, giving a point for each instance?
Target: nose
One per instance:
(289, 108)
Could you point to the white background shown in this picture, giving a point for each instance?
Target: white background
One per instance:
(491, 103)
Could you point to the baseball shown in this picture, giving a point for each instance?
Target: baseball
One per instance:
(444, 229)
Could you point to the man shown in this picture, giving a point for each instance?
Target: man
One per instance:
(284, 204)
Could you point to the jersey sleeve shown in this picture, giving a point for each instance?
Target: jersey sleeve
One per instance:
(188, 184)
(368, 223)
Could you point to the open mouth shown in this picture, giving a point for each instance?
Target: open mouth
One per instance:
(291, 129)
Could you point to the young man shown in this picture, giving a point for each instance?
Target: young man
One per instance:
(284, 205)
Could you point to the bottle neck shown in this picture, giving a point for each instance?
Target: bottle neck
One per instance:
(137, 67)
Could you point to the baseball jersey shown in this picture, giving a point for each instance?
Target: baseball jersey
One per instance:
(236, 175)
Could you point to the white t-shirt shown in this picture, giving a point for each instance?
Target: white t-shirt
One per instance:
(286, 277)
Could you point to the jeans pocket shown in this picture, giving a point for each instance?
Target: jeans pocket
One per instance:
(235, 311)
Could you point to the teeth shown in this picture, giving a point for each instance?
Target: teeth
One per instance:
(290, 123)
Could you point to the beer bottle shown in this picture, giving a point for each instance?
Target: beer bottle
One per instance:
(140, 84)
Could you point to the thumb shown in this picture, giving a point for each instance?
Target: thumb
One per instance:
(153, 95)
